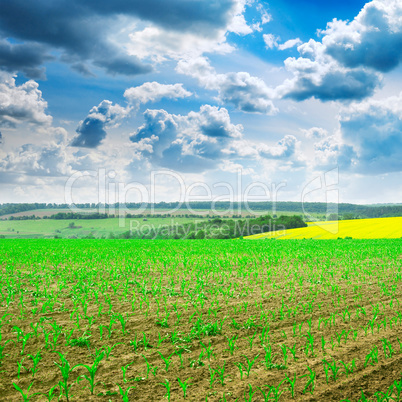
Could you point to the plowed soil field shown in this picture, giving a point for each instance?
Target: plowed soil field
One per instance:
(101, 320)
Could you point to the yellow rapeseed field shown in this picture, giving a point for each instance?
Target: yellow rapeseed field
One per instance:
(378, 228)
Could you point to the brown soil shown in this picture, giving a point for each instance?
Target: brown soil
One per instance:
(243, 299)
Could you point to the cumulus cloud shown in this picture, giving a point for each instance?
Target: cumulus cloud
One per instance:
(346, 64)
(92, 130)
(199, 140)
(50, 160)
(246, 92)
(332, 151)
(1, 138)
(188, 143)
(154, 91)
(21, 103)
(285, 148)
(369, 139)
(238, 24)
(85, 32)
(373, 39)
(374, 129)
(318, 75)
(315, 133)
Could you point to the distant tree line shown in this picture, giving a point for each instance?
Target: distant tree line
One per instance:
(73, 215)
(13, 208)
(23, 218)
(216, 228)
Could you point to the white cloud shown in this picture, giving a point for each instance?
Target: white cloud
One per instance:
(331, 151)
(271, 40)
(369, 139)
(159, 44)
(239, 26)
(92, 130)
(50, 159)
(247, 93)
(290, 43)
(346, 64)
(232, 167)
(374, 130)
(200, 141)
(190, 143)
(265, 16)
(315, 133)
(23, 103)
(285, 148)
(378, 27)
(318, 75)
(153, 91)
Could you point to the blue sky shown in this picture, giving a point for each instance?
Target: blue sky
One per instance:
(281, 92)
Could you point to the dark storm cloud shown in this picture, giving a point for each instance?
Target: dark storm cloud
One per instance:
(27, 58)
(194, 15)
(80, 29)
(83, 69)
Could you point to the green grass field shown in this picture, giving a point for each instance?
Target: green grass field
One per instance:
(48, 228)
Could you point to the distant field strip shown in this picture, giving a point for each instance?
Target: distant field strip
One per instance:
(379, 228)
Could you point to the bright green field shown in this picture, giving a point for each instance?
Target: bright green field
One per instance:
(98, 227)
(48, 228)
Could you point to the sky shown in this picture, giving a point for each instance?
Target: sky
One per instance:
(167, 100)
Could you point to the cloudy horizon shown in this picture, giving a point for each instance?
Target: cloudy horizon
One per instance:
(279, 91)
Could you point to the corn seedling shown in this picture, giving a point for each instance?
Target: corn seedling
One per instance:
(91, 372)
(35, 360)
(184, 385)
(24, 395)
(124, 394)
(166, 384)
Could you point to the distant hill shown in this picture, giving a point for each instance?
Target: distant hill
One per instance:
(345, 210)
